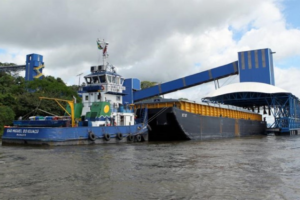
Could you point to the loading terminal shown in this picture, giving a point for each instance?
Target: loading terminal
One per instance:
(256, 90)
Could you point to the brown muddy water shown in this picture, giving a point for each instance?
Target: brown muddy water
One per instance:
(246, 168)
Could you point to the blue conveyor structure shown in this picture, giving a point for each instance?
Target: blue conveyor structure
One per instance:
(187, 82)
(252, 66)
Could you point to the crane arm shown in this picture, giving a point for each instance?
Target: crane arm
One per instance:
(71, 104)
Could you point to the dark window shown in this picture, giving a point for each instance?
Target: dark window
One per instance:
(95, 79)
(102, 79)
(88, 80)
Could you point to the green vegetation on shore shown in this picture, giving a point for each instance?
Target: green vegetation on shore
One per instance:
(19, 98)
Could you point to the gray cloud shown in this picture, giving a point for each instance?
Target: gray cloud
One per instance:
(149, 39)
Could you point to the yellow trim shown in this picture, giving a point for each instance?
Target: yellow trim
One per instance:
(71, 104)
(206, 110)
(39, 75)
(39, 67)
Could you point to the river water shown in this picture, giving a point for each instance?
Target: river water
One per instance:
(244, 168)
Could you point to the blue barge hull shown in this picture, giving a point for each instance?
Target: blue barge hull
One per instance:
(74, 135)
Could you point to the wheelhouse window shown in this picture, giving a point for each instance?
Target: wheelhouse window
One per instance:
(109, 78)
(102, 78)
(95, 79)
(113, 79)
(88, 80)
(118, 80)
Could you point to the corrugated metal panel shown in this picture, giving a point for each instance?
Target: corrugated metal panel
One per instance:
(206, 110)
(249, 60)
(256, 58)
(263, 58)
(242, 59)
(256, 66)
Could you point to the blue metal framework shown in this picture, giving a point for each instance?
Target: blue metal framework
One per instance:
(285, 107)
(287, 115)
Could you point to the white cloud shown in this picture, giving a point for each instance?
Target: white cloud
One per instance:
(288, 79)
(149, 42)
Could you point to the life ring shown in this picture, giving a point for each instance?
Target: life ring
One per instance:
(106, 137)
(130, 137)
(119, 136)
(92, 136)
(138, 138)
(101, 87)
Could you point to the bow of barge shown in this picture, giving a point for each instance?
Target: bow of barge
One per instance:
(171, 119)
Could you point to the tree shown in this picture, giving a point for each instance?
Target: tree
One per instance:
(7, 64)
(23, 96)
(7, 100)
(183, 99)
(26, 104)
(47, 87)
(7, 116)
(6, 81)
(147, 84)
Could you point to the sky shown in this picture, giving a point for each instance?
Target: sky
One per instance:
(152, 40)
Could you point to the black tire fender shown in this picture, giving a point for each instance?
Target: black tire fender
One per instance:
(119, 136)
(92, 136)
(130, 137)
(138, 138)
(106, 137)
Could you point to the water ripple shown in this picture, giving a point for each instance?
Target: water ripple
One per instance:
(249, 168)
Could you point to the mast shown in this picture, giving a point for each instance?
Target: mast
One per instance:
(102, 45)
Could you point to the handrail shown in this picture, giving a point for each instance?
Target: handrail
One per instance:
(71, 104)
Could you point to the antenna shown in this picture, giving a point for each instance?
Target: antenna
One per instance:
(79, 78)
(102, 45)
